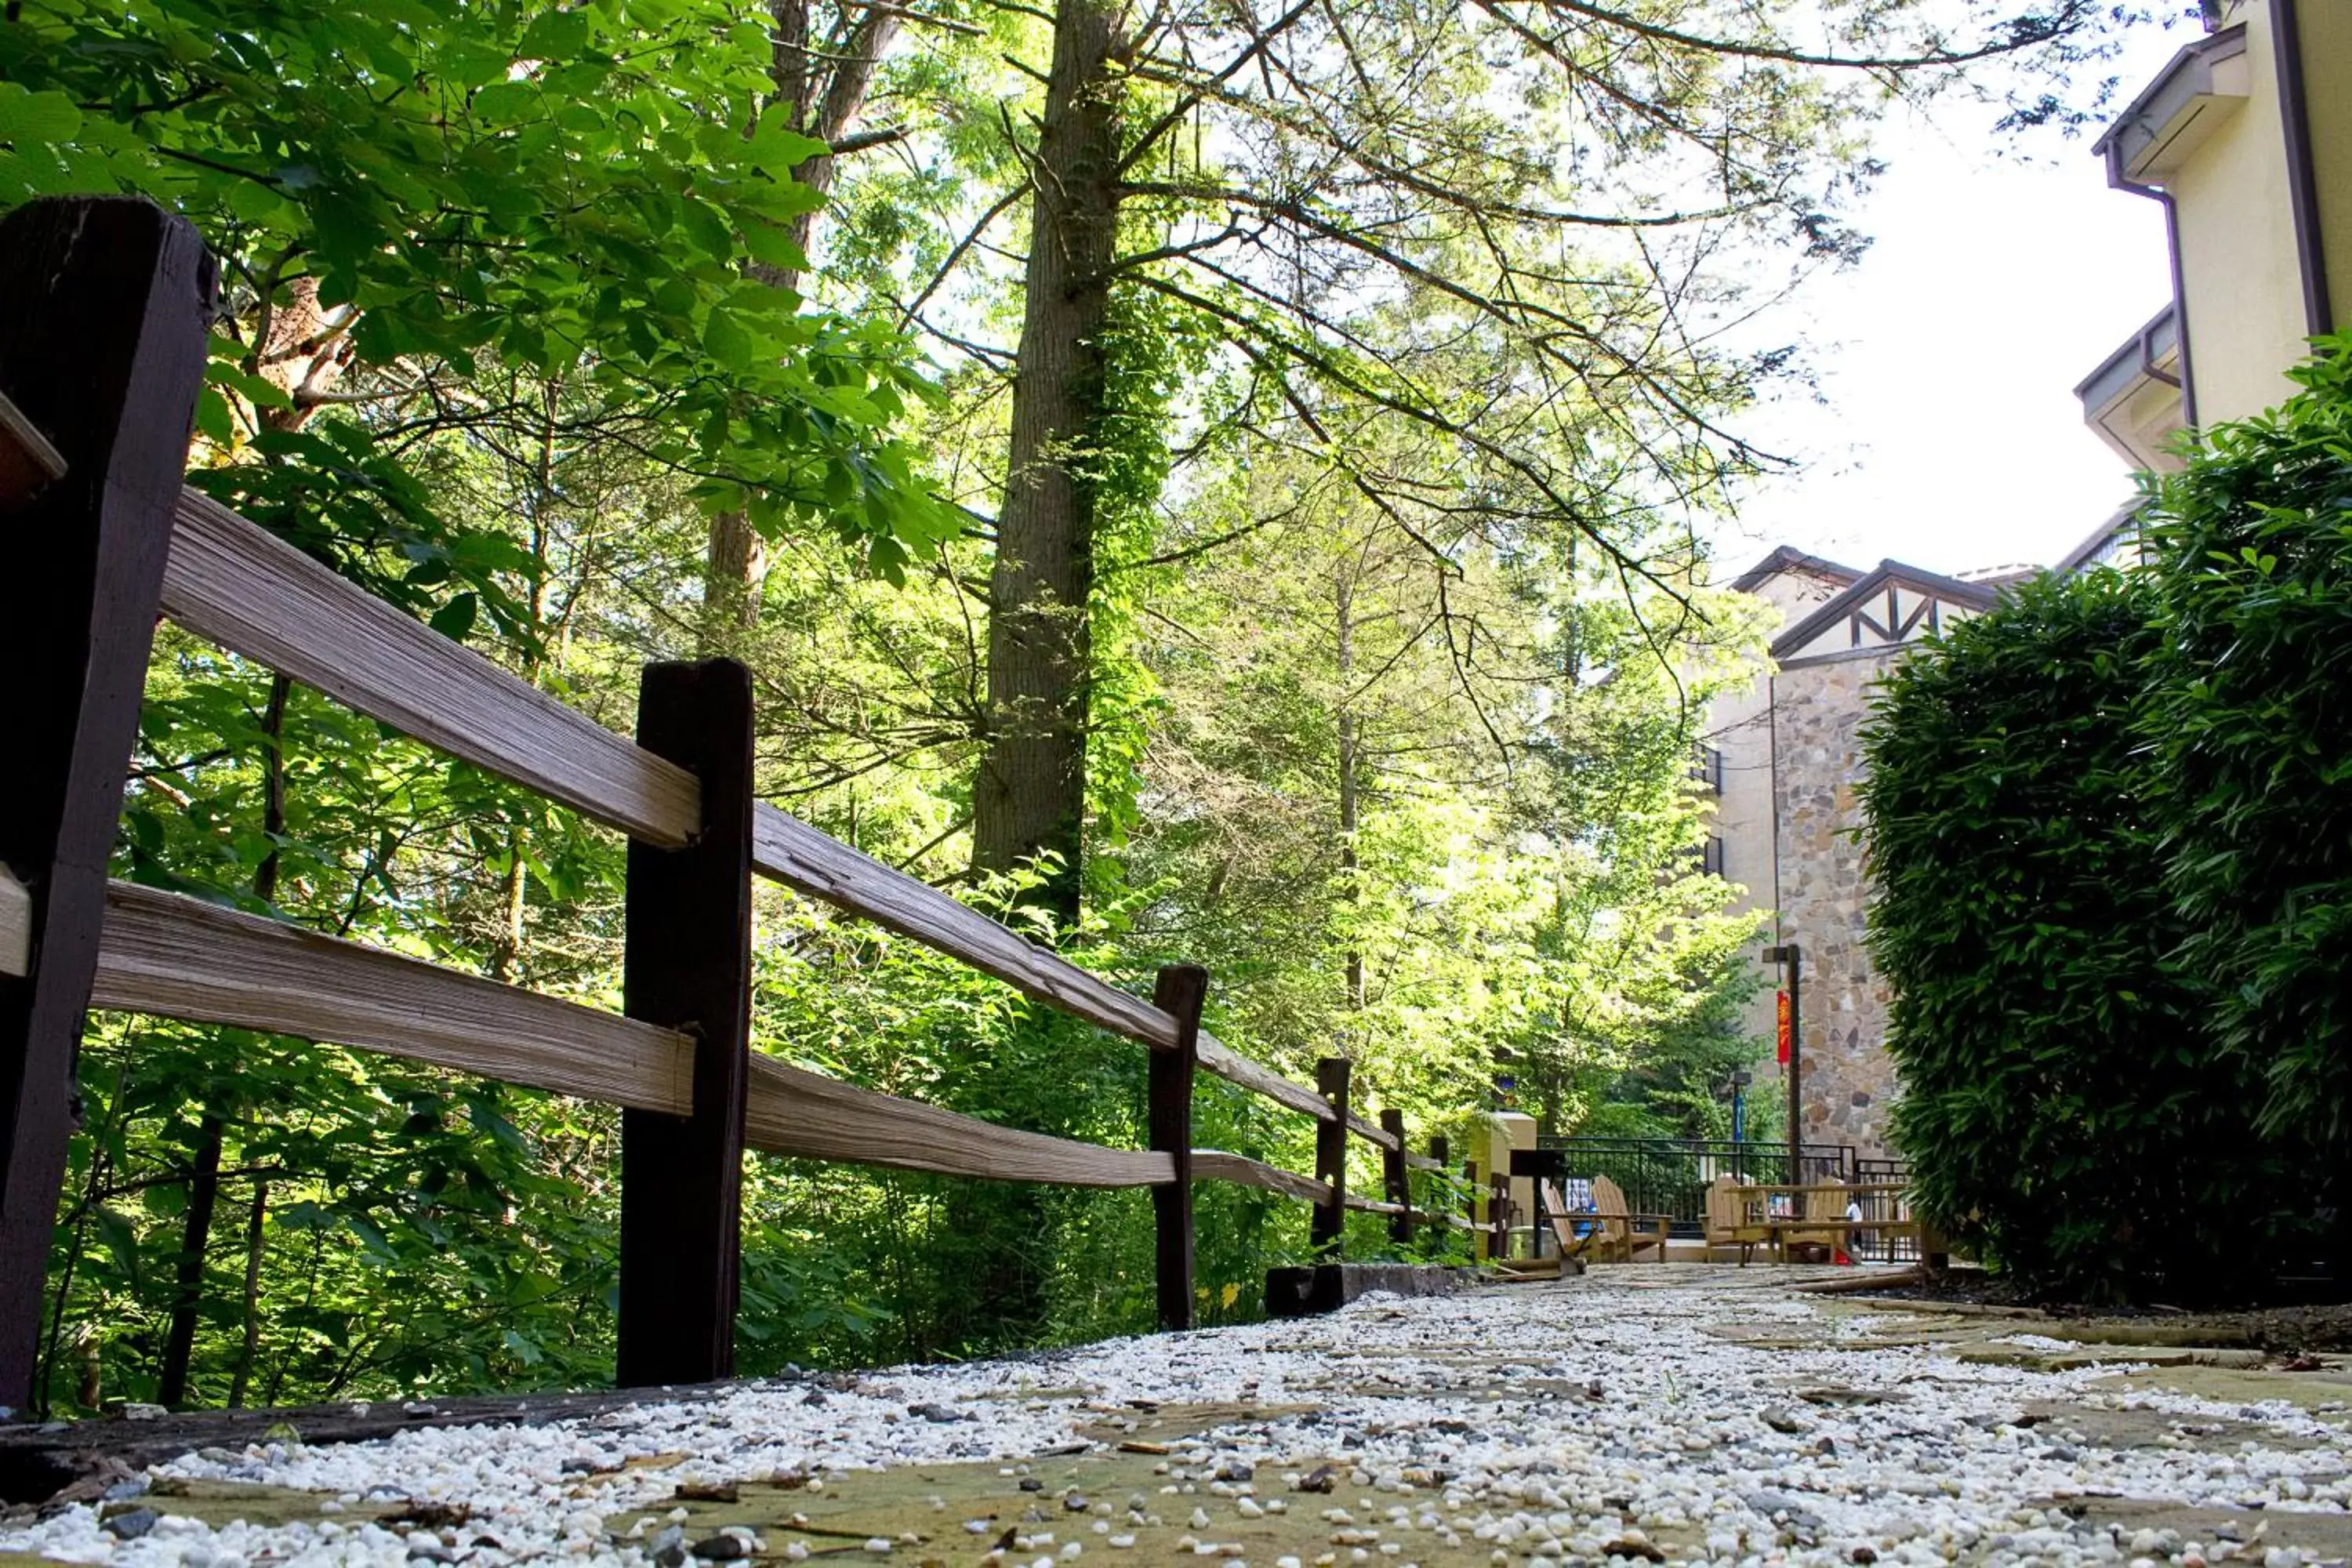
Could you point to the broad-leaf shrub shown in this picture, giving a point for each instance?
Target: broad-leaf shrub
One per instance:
(2066, 1109)
(2247, 705)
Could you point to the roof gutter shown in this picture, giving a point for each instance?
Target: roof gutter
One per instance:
(2301, 185)
(2187, 382)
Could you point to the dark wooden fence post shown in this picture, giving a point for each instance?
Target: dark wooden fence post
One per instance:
(687, 966)
(104, 305)
(1181, 991)
(1498, 1214)
(1329, 1221)
(1396, 1180)
(1440, 1155)
(1482, 1244)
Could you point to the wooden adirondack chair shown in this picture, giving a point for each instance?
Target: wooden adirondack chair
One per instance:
(1826, 1205)
(1580, 1232)
(1629, 1234)
(1727, 1224)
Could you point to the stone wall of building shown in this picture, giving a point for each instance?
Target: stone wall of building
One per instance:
(1848, 1081)
(1739, 725)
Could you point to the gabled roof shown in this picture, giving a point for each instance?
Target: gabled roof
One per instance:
(1931, 584)
(1785, 559)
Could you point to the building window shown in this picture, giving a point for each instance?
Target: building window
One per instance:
(1706, 770)
(1710, 859)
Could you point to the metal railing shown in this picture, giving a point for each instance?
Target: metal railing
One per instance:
(1670, 1176)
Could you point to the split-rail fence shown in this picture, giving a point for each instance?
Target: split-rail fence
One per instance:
(105, 305)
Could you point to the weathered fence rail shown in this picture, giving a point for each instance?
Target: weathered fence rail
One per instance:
(104, 305)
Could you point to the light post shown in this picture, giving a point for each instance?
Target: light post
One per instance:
(1791, 961)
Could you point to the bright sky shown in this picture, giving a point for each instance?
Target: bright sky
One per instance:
(1947, 434)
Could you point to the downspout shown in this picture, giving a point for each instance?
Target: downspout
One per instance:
(2301, 185)
(2123, 182)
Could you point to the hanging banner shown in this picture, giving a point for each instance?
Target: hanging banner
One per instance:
(1784, 1028)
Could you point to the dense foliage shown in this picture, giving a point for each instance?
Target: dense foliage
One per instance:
(2247, 708)
(2109, 822)
(2064, 1106)
(602, 333)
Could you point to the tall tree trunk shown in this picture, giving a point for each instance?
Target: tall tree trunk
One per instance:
(514, 895)
(251, 1349)
(1343, 601)
(826, 104)
(734, 571)
(204, 1179)
(1029, 798)
(195, 1235)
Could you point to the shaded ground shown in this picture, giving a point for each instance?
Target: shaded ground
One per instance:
(2312, 1326)
(1651, 1413)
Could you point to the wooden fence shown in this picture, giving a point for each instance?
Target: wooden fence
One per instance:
(104, 308)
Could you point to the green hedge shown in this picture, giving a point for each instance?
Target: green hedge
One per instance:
(2111, 826)
(2064, 1109)
(2249, 706)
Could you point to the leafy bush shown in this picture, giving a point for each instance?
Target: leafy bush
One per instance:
(2065, 1107)
(2250, 718)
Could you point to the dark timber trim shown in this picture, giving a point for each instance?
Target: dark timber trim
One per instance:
(1181, 990)
(104, 305)
(1396, 1182)
(687, 966)
(1329, 1221)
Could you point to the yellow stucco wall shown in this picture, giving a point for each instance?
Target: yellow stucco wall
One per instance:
(2327, 85)
(2237, 245)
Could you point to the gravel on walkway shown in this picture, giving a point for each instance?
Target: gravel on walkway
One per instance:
(1643, 1414)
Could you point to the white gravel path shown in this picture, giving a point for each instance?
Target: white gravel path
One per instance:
(1635, 1426)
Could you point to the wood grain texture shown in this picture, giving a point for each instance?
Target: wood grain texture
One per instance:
(809, 861)
(1396, 1177)
(1226, 1063)
(182, 958)
(686, 966)
(1424, 1163)
(27, 461)
(794, 1111)
(1181, 990)
(1375, 1205)
(16, 924)
(251, 592)
(794, 853)
(1371, 1132)
(1327, 1226)
(104, 302)
(1216, 1165)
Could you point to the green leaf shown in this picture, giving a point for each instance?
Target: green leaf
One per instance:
(505, 102)
(727, 342)
(555, 36)
(122, 1242)
(260, 391)
(772, 245)
(27, 117)
(777, 150)
(455, 619)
